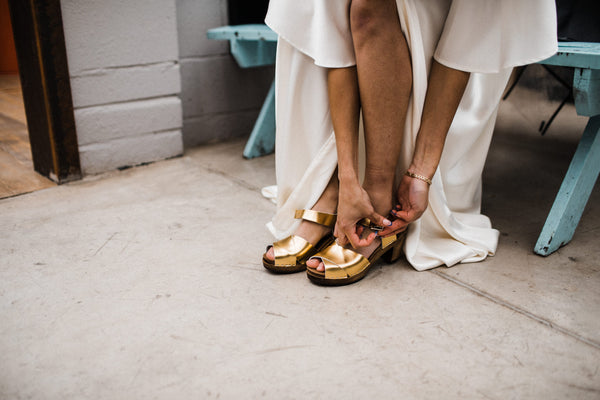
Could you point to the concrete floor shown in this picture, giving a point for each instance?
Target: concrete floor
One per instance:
(147, 283)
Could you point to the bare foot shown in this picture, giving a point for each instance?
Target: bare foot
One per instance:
(310, 231)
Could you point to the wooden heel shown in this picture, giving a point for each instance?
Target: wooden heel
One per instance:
(395, 252)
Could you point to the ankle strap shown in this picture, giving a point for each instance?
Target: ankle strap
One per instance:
(317, 217)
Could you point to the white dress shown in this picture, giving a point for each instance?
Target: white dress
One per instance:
(487, 37)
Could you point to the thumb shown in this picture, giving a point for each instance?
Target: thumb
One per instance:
(405, 215)
(379, 220)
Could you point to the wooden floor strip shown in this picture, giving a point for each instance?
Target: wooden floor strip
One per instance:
(17, 175)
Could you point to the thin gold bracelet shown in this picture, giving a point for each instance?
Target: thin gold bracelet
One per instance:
(419, 177)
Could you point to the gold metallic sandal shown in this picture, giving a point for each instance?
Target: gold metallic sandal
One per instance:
(292, 252)
(344, 266)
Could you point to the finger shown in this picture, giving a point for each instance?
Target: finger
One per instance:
(354, 240)
(360, 229)
(379, 220)
(337, 231)
(363, 242)
(368, 240)
(398, 225)
(408, 216)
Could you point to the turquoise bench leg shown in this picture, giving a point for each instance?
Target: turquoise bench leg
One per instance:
(262, 138)
(574, 192)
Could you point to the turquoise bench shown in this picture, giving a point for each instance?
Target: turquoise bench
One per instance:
(583, 171)
(254, 45)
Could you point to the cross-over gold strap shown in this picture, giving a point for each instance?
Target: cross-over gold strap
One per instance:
(317, 217)
(342, 263)
(291, 250)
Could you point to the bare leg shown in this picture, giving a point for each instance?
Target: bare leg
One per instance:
(385, 81)
(344, 103)
(354, 202)
(444, 92)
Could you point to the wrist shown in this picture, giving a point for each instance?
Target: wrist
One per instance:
(347, 178)
(415, 175)
(422, 169)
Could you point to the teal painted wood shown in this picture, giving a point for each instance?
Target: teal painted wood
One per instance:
(253, 54)
(574, 192)
(585, 165)
(262, 138)
(254, 45)
(586, 91)
(576, 54)
(243, 32)
(251, 45)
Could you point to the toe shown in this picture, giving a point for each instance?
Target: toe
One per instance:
(321, 267)
(270, 254)
(313, 263)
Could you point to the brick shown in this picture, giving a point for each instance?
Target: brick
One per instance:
(101, 157)
(217, 84)
(105, 123)
(107, 86)
(218, 127)
(112, 33)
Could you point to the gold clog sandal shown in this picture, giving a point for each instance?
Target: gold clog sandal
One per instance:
(344, 266)
(292, 252)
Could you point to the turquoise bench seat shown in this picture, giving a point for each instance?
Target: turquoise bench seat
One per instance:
(582, 174)
(254, 45)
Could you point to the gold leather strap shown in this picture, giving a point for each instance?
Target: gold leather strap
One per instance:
(317, 217)
(290, 250)
(366, 222)
(341, 263)
(387, 240)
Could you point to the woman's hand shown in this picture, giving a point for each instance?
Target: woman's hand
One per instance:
(354, 204)
(413, 198)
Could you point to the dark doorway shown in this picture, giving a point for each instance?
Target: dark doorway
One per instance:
(17, 175)
(45, 84)
(247, 11)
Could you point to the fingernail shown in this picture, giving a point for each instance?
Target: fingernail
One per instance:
(387, 222)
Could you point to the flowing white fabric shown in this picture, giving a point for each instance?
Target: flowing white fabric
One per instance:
(491, 35)
(314, 34)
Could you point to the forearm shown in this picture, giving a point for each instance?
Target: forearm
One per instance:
(344, 103)
(444, 92)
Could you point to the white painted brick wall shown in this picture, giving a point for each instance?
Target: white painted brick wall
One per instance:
(125, 78)
(220, 100)
(217, 84)
(194, 18)
(101, 157)
(117, 33)
(134, 118)
(106, 86)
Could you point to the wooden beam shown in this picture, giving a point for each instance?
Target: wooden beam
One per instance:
(42, 57)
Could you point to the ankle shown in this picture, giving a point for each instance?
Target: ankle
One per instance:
(379, 179)
(381, 198)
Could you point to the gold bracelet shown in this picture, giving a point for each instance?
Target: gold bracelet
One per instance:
(419, 177)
